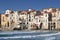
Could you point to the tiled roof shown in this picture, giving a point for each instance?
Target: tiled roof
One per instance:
(38, 13)
(11, 12)
(7, 15)
(53, 10)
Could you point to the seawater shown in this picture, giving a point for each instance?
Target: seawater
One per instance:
(29, 35)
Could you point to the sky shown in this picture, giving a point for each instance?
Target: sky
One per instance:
(28, 4)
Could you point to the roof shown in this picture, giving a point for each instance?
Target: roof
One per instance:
(38, 13)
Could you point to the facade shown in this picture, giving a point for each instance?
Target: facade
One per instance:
(3, 22)
(58, 18)
(22, 19)
(30, 19)
(0, 21)
(12, 18)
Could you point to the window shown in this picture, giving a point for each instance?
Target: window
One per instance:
(46, 20)
(39, 20)
(10, 17)
(54, 15)
(3, 19)
(6, 15)
(12, 14)
(23, 23)
(29, 20)
(34, 16)
(59, 20)
(12, 21)
(5, 25)
(46, 15)
(58, 13)
(19, 18)
(29, 16)
(8, 24)
(20, 23)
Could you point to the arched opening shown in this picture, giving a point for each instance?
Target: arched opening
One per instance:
(17, 29)
(41, 25)
(54, 25)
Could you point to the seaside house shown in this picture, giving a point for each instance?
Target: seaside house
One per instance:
(22, 19)
(0, 21)
(4, 22)
(48, 18)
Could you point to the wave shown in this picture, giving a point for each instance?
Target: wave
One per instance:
(20, 32)
(30, 36)
(50, 38)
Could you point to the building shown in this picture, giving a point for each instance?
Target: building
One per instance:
(48, 18)
(0, 21)
(4, 22)
(22, 19)
(12, 18)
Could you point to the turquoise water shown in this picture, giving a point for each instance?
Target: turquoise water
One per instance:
(29, 35)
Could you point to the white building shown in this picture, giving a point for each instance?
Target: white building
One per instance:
(12, 18)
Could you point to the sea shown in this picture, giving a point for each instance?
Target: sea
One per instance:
(30, 35)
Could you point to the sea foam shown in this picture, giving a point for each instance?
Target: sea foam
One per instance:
(31, 36)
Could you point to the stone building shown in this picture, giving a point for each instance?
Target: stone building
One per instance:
(4, 22)
(0, 21)
(22, 19)
(48, 18)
